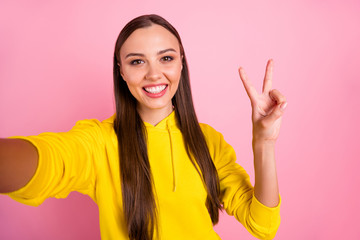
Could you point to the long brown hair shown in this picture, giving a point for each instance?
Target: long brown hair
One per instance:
(136, 178)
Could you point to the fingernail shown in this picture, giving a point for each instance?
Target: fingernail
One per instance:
(283, 105)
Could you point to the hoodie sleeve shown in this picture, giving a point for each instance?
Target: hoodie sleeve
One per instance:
(66, 163)
(237, 193)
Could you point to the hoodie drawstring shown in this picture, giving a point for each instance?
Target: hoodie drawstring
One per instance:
(172, 157)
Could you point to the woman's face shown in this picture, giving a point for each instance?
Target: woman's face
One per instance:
(151, 65)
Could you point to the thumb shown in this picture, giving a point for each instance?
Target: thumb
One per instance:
(277, 112)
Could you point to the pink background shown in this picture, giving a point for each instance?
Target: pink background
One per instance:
(56, 68)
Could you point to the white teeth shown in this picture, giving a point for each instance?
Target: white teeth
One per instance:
(156, 89)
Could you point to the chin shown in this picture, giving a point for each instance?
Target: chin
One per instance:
(158, 106)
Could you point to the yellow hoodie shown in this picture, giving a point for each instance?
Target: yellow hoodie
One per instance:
(85, 159)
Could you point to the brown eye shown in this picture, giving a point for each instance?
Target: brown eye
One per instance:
(136, 62)
(167, 59)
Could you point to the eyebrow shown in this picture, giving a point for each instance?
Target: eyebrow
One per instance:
(159, 53)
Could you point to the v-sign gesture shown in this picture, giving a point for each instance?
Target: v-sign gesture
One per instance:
(267, 110)
(267, 107)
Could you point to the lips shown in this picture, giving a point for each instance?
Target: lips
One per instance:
(155, 91)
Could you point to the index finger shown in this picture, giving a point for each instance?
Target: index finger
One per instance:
(249, 88)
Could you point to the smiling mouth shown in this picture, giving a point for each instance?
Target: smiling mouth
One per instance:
(156, 89)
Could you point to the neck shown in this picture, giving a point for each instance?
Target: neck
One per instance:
(154, 116)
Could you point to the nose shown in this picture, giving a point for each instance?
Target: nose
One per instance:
(153, 72)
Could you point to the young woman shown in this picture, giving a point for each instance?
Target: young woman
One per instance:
(153, 170)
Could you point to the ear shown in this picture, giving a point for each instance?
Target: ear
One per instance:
(122, 75)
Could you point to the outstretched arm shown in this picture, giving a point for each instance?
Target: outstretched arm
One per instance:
(18, 163)
(267, 110)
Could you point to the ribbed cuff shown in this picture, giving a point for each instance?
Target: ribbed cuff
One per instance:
(266, 217)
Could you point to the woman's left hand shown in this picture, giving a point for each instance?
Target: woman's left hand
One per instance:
(267, 107)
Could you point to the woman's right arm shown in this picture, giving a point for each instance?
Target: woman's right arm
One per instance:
(18, 164)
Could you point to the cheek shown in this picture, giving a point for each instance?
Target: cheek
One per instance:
(174, 74)
(132, 77)
(134, 90)
(133, 81)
